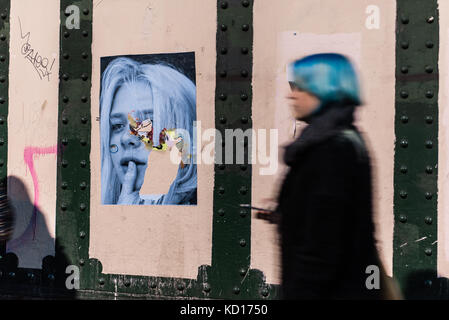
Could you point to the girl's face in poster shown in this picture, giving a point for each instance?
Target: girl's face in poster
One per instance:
(135, 98)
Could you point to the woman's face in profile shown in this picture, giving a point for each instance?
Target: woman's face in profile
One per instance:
(136, 99)
(302, 103)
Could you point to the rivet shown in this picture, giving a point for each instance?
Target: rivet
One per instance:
(180, 287)
(428, 251)
(243, 213)
(429, 144)
(429, 94)
(221, 190)
(404, 20)
(65, 56)
(30, 275)
(245, 3)
(84, 99)
(81, 262)
(223, 73)
(2, 79)
(428, 195)
(245, 27)
(2, 141)
(223, 50)
(83, 185)
(2, 100)
(2, 58)
(2, 120)
(127, 283)
(206, 287)
(63, 207)
(244, 119)
(84, 55)
(244, 96)
(85, 33)
(242, 272)
(428, 69)
(221, 166)
(2, 163)
(65, 141)
(51, 277)
(221, 212)
(83, 163)
(428, 283)
(404, 94)
(82, 234)
(404, 143)
(65, 77)
(244, 73)
(429, 44)
(86, 11)
(4, 15)
(428, 220)
(404, 119)
(83, 142)
(223, 27)
(66, 34)
(65, 163)
(404, 69)
(2, 37)
(429, 119)
(65, 120)
(264, 292)
(243, 167)
(245, 50)
(243, 190)
(402, 218)
(82, 206)
(83, 120)
(65, 99)
(403, 194)
(153, 285)
(236, 290)
(429, 169)
(224, 4)
(403, 169)
(101, 281)
(242, 243)
(84, 77)
(404, 44)
(223, 97)
(222, 120)
(430, 19)
(12, 274)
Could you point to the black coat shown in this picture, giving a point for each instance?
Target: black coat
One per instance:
(326, 222)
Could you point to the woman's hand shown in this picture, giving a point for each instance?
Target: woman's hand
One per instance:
(272, 216)
(128, 195)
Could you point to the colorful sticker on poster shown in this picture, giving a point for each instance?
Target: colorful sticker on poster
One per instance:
(147, 104)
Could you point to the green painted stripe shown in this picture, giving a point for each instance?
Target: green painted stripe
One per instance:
(416, 150)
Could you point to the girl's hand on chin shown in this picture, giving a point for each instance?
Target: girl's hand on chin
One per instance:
(128, 195)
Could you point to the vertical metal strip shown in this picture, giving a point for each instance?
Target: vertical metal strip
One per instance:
(4, 96)
(416, 150)
(74, 128)
(231, 245)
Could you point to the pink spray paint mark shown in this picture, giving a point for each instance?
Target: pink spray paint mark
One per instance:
(28, 156)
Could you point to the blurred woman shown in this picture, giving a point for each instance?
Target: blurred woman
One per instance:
(325, 201)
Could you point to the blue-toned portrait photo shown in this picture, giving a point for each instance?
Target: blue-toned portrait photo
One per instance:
(147, 104)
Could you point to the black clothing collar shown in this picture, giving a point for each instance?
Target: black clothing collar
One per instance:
(325, 124)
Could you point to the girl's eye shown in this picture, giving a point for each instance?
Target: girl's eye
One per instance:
(117, 126)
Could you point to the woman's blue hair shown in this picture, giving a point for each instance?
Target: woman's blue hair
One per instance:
(328, 76)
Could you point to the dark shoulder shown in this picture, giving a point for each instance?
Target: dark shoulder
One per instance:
(348, 145)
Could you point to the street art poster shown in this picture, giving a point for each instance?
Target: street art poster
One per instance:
(147, 105)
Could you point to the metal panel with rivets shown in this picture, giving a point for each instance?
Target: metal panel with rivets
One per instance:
(416, 156)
